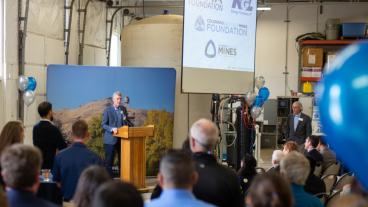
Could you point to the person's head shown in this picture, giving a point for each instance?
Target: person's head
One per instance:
(311, 142)
(117, 194)
(12, 132)
(322, 143)
(277, 156)
(116, 98)
(45, 110)
(20, 167)
(80, 130)
(269, 190)
(295, 167)
(177, 171)
(90, 179)
(290, 146)
(351, 200)
(297, 107)
(203, 136)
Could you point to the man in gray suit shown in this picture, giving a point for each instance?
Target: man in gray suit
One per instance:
(299, 127)
(113, 118)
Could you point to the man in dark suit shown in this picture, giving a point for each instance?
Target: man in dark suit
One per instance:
(113, 118)
(299, 127)
(46, 136)
(21, 166)
(216, 184)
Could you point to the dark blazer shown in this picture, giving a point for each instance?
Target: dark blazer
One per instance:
(216, 184)
(19, 198)
(111, 119)
(303, 130)
(48, 139)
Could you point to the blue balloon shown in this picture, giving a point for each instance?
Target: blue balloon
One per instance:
(259, 101)
(31, 84)
(264, 93)
(343, 103)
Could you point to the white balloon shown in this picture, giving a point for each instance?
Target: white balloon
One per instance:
(256, 111)
(28, 97)
(260, 82)
(250, 97)
(22, 83)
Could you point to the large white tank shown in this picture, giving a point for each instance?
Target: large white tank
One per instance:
(157, 42)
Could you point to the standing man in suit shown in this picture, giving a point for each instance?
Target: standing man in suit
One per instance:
(46, 136)
(300, 126)
(113, 118)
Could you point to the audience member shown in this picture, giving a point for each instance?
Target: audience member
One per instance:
(21, 166)
(90, 179)
(216, 184)
(311, 151)
(12, 133)
(277, 156)
(185, 147)
(70, 162)
(176, 177)
(290, 146)
(269, 190)
(329, 157)
(314, 185)
(117, 194)
(352, 200)
(247, 172)
(295, 167)
(46, 136)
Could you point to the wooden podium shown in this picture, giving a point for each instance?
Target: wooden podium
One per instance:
(133, 153)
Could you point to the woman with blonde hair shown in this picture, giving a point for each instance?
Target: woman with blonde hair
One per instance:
(12, 133)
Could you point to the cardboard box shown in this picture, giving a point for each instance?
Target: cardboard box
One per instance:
(312, 57)
(311, 72)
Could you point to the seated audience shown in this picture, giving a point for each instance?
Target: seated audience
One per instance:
(352, 200)
(277, 156)
(176, 177)
(247, 172)
(217, 184)
(310, 146)
(70, 162)
(117, 194)
(295, 167)
(329, 157)
(46, 136)
(90, 179)
(21, 165)
(269, 190)
(290, 146)
(12, 133)
(314, 185)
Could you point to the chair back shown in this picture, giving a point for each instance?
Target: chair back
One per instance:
(343, 180)
(332, 198)
(329, 181)
(333, 169)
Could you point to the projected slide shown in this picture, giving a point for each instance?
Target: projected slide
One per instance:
(219, 34)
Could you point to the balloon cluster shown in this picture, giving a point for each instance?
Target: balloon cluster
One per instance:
(256, 101)
(27, 85)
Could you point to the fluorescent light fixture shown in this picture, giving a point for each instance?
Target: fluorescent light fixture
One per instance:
(263, 8)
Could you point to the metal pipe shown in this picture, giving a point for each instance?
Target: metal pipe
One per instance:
(67, 41)
(286, 72)
(81, 44)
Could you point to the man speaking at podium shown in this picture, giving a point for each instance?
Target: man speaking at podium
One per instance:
(114, 117)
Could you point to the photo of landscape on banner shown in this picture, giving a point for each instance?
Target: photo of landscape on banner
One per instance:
(83, 92)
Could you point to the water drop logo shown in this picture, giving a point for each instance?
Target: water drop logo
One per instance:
(210, 50)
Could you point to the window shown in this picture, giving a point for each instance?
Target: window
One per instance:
(115, 50)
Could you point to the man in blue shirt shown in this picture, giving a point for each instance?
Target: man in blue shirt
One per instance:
(21, 166)
(177, 177)
(113, 117)
(70, 163)
(299, 125)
